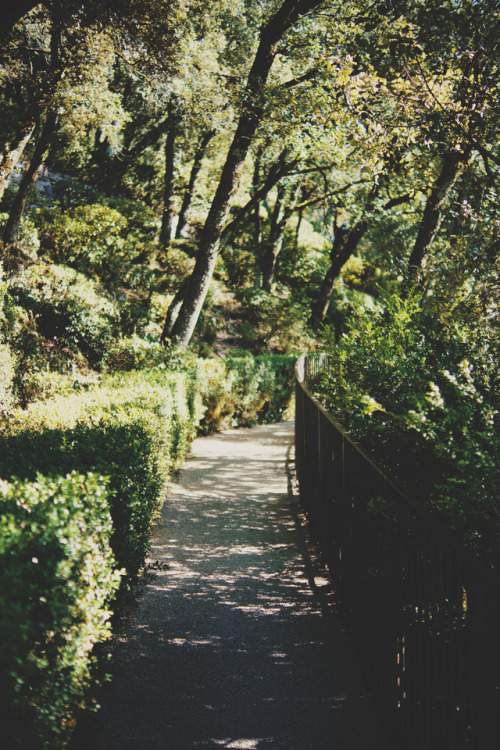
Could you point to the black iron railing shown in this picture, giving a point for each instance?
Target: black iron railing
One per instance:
(422, 610)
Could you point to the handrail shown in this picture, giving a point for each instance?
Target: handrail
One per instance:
(422, 609)
(301, 377)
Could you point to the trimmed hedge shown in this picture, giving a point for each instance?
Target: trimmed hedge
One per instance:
(65, 531)
(134, 428)
(58, 576)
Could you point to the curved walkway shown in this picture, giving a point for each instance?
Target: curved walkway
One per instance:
(236, 643)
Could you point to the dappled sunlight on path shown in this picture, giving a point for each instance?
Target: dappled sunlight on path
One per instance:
(235, 644)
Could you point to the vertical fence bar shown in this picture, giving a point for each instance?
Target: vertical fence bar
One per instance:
(422, 610)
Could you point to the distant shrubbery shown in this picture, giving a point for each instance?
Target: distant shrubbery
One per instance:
(274, 323)
(243, 390)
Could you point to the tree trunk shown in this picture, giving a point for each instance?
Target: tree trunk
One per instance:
(195, 169)
(270, 36)
(173, 312)
(13, 154)
(278, 170)
(297, 234)
(168, 191)
(344, 245)
(272, 246)
(257, 221)
(29, 179)
(452, 164)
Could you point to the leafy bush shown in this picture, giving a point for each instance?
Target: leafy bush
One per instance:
(134, 353)
(246, 390)
(57, 580)
(68, 192)
(274, 323)
(106, 238)
(67, 306)
(426, 401)
(7, 373)
(134, 428)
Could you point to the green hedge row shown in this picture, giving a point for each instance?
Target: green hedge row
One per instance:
(83, 476)
(134, 430)
(58, 576)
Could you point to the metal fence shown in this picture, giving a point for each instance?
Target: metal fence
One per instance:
(422, 610)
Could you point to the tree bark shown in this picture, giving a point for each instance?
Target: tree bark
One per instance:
(168, 190)
(452, 165)
(195, 169)
(272, 246)
(257, 221)
(270, 36)
(13, 154)
(345, 242)
(173, 312)
(29, 179)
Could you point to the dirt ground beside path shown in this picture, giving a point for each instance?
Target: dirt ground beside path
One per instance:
(236, 643)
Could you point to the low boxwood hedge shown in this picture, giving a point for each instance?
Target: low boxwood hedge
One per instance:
(83, 476)
(58, 578)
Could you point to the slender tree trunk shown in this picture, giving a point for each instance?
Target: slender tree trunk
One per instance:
(173, 312)
(168, 190)
(453, 163)
(272, 246)
(278, 170)
(297, 233)
(195, 169)
(270, 36)
(13, 155)
(257, 221)
(344, 245)
(29, 179)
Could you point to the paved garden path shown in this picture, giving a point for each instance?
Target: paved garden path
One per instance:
(236, 644)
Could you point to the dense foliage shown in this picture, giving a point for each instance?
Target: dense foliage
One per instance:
(426, 402)
(58, 578)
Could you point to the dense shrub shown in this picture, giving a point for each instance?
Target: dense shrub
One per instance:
(243, 390)
(106, 238)
(7, 374)
(274, 322)
(425, 399)
(134, 353)
(67, 306)
(133, 428)
(58, 577)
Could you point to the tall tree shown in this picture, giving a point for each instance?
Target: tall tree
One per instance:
(271, 34)
(168, 188)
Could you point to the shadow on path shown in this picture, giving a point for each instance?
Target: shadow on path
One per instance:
(236, 644)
